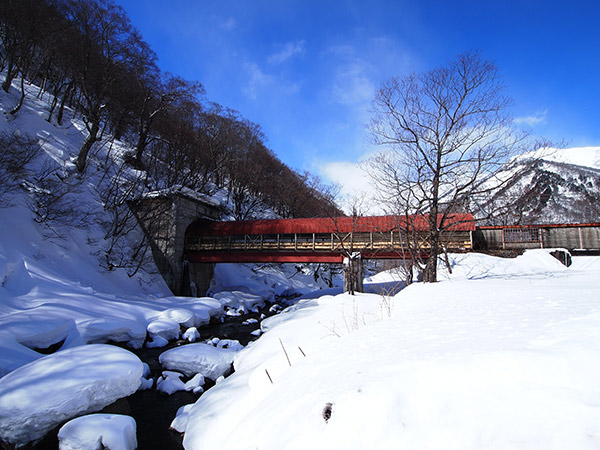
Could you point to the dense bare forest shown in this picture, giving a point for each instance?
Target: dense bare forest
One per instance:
(90, 60)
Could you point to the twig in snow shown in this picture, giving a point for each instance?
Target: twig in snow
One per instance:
(284, 351)
(270, 379)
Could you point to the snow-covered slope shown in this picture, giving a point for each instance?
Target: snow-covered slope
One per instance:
(547, 186)
(579, 156)
(504, 354)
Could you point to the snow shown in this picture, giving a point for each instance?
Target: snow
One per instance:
(581, 156)
(205, 359)
(99, 431)
(502, 353)
(171, 382)
(191, 334)
(505, 353)
(40, 395)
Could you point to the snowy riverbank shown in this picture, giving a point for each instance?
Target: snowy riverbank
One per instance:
(503, 354)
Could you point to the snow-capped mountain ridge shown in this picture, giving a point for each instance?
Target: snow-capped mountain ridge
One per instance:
(579, 156)
(548, 186)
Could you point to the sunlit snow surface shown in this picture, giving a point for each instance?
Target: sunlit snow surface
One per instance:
(505, 353)
(98, 431)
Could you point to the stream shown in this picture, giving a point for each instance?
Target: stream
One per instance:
(154, 411)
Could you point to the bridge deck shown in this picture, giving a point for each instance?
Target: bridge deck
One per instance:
(259, 241)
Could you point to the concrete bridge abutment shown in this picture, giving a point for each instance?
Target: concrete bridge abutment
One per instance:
(164, 216)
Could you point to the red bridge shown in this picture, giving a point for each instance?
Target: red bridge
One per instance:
(320, 240)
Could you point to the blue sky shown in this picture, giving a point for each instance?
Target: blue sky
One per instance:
(307, 70)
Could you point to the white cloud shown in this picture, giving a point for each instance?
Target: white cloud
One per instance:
(261, 82)
(352, 85)
(257, 82)
(538, 118)
(288, 50)
(354, 183)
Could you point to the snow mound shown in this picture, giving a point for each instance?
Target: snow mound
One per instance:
(180, 315)
(99, 431)
(114, 329)
(197, 358)
(237, 303)
(167, 329)
(479, 266)
(39, 396)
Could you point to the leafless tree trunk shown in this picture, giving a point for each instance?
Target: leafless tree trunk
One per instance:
(445, 132)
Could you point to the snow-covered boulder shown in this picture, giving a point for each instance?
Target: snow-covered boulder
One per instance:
(181, 418)
(98, 431)
(237, 303)
(180, 315)
(37, 397)
(170, 382)
(191, 334)
(198, 358)
(116, 329)
(165, 328)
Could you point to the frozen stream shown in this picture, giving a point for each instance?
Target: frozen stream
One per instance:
(154, 411)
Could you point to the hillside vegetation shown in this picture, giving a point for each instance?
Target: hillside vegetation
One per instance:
(92, 64)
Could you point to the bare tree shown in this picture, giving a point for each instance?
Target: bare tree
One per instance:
(446, 130)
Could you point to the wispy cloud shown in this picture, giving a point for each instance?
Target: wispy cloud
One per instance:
(261, 82)
(258, 80)
(352, 84)
(538, 118)
(289, 50)
(229, 24)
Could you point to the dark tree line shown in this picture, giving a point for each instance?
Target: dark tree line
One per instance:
(89, 58)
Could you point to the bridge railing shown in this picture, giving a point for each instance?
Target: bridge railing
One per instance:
(324, 242)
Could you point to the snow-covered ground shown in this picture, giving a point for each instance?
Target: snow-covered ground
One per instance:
(54, 295)
(499, 354)
(502, 354)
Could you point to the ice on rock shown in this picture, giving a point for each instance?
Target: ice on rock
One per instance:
(198, 358)
(156, 342)
(98, 431)
(196, 384)
(147, 381)
(37, 397)
(170, 382)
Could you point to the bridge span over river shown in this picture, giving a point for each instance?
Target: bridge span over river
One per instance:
(327, 240)
(187, 239)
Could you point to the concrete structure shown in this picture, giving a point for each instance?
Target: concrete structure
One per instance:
(165, 216)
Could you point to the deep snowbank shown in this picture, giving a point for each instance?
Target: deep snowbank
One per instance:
(504, 354)
(41, 395)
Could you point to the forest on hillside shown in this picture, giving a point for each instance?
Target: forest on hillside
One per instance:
(87, 57)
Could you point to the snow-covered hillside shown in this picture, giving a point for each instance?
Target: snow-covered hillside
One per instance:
(547, 186)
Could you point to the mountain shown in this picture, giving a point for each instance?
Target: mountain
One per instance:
(545, 186)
